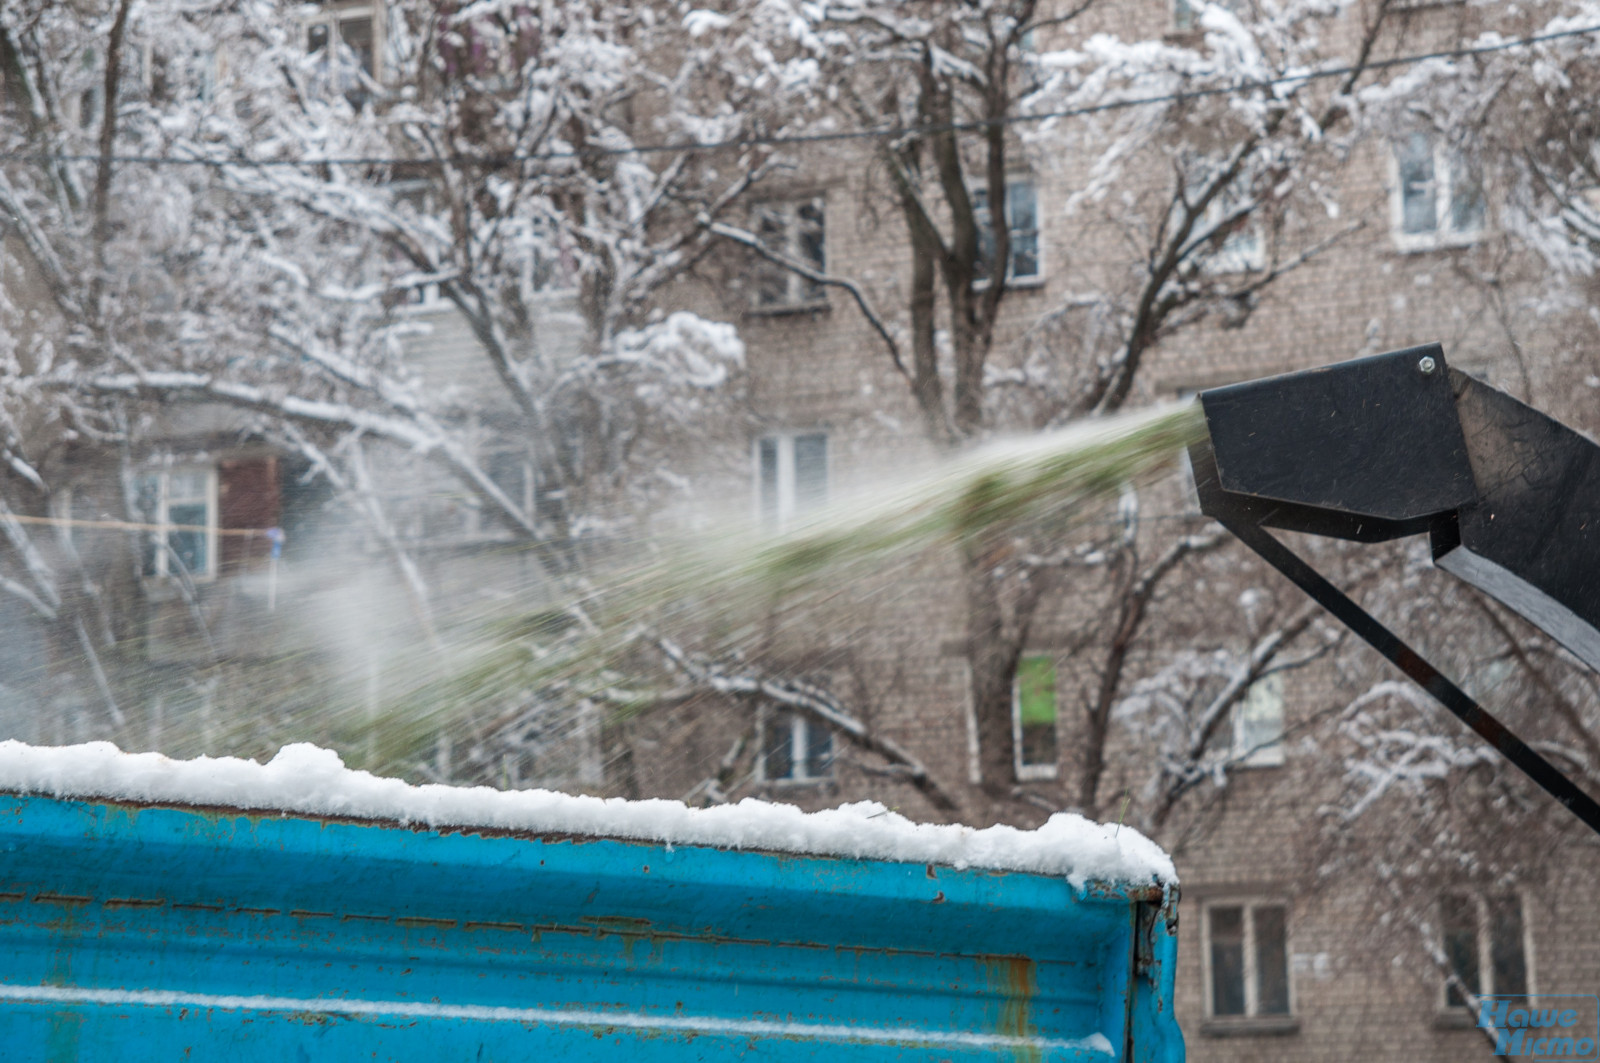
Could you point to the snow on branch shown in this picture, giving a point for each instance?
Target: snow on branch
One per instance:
(815, 702)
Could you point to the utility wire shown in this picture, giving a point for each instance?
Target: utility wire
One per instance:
(131, 525)
(819, 138)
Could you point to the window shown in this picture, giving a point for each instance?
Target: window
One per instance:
(1186, 13)
(1258, 724)
(1247, 959)
(186, 75)
(1483, 944)
(791, 475)
(797, 231)
(491, 44)
(1022, 223)
(343, 43)
(183, 501)
(1033, 718)
(1438, 198)
(795, 749)
(1239, 248)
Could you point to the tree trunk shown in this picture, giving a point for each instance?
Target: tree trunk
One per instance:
(992, 659)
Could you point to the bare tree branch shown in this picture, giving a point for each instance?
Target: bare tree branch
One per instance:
(748, 239)
(817, 703)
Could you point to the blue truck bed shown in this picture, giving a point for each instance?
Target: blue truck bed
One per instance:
(146, 932)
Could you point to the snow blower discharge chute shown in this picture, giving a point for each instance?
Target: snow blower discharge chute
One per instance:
(1400, 444)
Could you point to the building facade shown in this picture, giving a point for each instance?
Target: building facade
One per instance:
(1307, 933)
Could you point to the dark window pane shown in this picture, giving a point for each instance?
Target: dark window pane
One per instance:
(1036, 709)
(1510, 966)
(147, 496)
(1458, 917)
(811, 246)
(507, 470)
(188, 545)
(985, 227)
(772, 280)
(819, 751)
(1418, 189)
(812, 235)
(356, 33)
(1466, 198)
(767, 461)
(1272, 961)
(1024, 255)
(1227, 961)
(1022, 207)
(1039, 744)
(810, 471)
(779, 752)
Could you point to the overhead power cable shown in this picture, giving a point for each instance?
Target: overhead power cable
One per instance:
(133, 525)
(819, 138)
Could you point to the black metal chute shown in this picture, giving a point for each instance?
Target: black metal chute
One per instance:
(1400, 444)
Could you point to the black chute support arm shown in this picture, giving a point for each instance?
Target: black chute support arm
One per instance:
(1400, 444)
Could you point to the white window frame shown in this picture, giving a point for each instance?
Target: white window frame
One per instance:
(1252, 980)
(983, 217)
(164, 501)
(1445, 163)
(797, 292)
(801, 727)
(1190, 9)
(1485, 943)
(787, 507)
(329, 17)
(1034, 772)
(1268, 687)
(1243, 251)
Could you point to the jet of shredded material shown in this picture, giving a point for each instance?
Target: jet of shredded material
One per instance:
(307, 780)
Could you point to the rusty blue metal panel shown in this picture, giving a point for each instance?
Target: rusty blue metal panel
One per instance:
(140, 933)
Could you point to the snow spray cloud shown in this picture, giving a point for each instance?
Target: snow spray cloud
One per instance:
(719, 590)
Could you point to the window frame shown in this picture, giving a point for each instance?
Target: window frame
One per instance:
(164, 501)
(1252, 1017)
(1231, 257)
(330, 16)
(798, 295)
(788, 506)
(802, 727)
(1484, 934)
(1034, 772)
(1266, 756)
(983, 218)
(1445, 166)
(1179, 9)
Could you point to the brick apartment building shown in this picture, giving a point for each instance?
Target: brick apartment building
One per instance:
(1281, 957)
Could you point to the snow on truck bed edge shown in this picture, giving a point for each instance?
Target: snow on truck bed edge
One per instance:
(308, 780)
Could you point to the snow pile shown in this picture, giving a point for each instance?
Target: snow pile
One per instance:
(305, 779)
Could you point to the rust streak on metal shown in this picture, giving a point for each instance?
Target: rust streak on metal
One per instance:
(418, 920)
(135, 902)
(60, 898)
(1017, 979)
